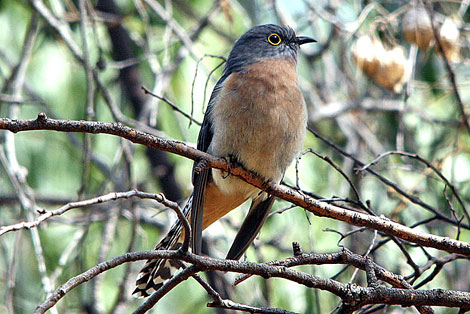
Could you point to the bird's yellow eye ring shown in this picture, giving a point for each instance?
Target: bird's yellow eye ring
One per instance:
(274, 39)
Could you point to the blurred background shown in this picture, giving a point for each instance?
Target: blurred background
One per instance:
(377, 81)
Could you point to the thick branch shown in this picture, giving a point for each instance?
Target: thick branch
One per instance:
(351, 294)
(317, 207)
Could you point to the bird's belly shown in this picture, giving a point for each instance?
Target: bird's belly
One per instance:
(245, 141)
(265, 149)
(260, 124)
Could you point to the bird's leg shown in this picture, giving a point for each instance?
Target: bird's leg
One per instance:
(232, 162)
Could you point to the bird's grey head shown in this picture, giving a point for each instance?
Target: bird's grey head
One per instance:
(264, 41)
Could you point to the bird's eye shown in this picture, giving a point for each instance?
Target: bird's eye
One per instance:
(274, 39)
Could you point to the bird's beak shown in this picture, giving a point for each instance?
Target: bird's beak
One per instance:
(304, 40)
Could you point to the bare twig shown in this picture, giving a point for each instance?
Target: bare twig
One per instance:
(97, 200)
(428, 164)
(173, 106)
(386, 181)
(450, 71)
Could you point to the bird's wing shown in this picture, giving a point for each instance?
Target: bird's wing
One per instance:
(200, 179)
(253, 221)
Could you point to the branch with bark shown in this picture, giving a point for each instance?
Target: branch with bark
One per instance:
(316, 207)
(353, 296)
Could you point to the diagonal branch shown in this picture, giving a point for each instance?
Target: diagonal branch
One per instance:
(318, 208)
(453, 80)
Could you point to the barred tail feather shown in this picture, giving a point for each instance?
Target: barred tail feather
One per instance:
(157, 271)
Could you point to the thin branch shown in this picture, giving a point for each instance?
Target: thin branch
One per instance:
(64, 32)
(345, 257)
(98, 200)
(179, 31)
(429, 165)
(218, 302)
(173, 106)
(344, 175)
(167, 287)
(450, 71)
(230, 305)
(387, 182)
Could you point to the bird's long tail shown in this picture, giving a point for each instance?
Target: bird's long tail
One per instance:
(156, 271)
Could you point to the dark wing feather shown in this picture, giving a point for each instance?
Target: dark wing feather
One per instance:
(200, 180)
(256, 217)
(197, 211)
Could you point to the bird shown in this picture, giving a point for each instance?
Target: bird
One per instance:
(256, 117)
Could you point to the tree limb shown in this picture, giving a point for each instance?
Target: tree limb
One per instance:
(318, 208)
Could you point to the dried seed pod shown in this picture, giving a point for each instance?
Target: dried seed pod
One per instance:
(392, 72)
(449, 38)
(417, 28)
(366, 53)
